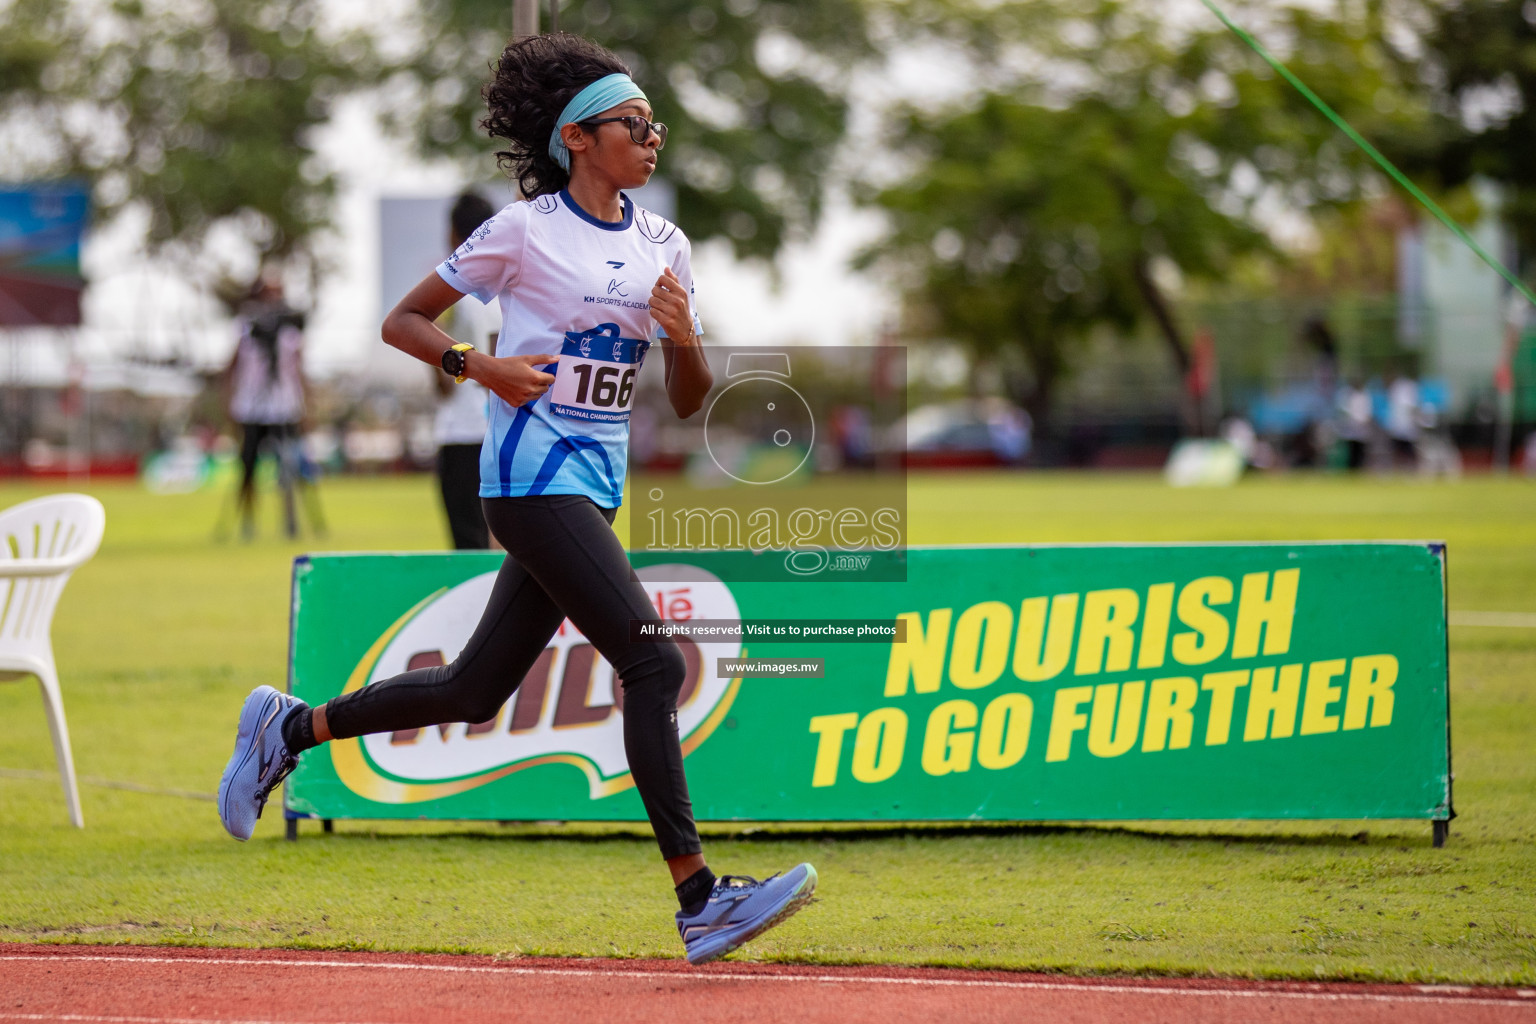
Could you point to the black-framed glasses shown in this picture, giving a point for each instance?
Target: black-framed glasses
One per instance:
(639, 128)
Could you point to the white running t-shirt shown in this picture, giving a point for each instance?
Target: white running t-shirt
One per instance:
(580, 287)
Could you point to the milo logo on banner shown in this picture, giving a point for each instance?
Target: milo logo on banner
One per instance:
(1256, 690)
(568, 709)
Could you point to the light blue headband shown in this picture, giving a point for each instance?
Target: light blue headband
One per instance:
(594, 99)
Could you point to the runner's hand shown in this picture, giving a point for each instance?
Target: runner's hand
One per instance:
(669, 306)
(516, 379)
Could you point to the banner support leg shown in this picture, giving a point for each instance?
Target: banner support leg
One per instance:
(1442, 829)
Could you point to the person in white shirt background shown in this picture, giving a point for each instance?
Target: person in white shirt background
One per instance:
(460, 422)
(265, 390)
(1403, 420)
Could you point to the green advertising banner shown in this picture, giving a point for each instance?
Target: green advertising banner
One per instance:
(1030, 683)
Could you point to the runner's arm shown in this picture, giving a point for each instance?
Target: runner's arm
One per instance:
(687, 374)
(410, 327)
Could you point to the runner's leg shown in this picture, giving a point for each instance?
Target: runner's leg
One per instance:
(563, 560)
(567, 543)
(513, 631)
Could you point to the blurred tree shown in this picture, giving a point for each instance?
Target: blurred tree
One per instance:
(753, 91)
(1481, 56)
(1353, 252)
(200, 113)
(1127, 157)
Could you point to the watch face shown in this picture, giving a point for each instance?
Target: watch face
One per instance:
(453, 362)
(765, 412)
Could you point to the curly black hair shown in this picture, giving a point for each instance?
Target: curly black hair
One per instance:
(534, 80)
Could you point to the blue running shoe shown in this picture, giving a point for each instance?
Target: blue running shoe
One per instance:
(261, 760)
(740, 909)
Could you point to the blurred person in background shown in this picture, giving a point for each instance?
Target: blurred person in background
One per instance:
(1202, 382)
(1010, 427)
(1403, 418)
(460, 423)
(1437, 452)
(580, 269)
(264, 392)
(1311, 448)
(852, 436)
(1356, 423)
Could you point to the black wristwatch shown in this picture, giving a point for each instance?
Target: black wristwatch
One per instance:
(453, 361)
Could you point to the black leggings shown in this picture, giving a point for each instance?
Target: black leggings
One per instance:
(563, 560)
(252, 436)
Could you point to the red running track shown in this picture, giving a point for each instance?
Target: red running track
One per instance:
(163, 985)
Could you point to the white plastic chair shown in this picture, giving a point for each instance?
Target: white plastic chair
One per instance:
(41, 542)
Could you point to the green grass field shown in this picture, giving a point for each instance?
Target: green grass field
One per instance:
(160, 637)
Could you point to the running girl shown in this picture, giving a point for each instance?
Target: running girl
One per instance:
(570, 268)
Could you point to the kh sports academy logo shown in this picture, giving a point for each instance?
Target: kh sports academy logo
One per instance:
(568, 709)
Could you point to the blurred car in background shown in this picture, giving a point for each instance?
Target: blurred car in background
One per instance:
(967, 432)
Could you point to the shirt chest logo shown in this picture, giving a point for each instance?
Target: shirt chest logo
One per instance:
(617, 291)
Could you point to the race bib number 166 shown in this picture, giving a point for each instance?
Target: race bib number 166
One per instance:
(596, 376)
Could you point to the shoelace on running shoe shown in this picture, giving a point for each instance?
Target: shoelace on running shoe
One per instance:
(726, 881)
(286, 764)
